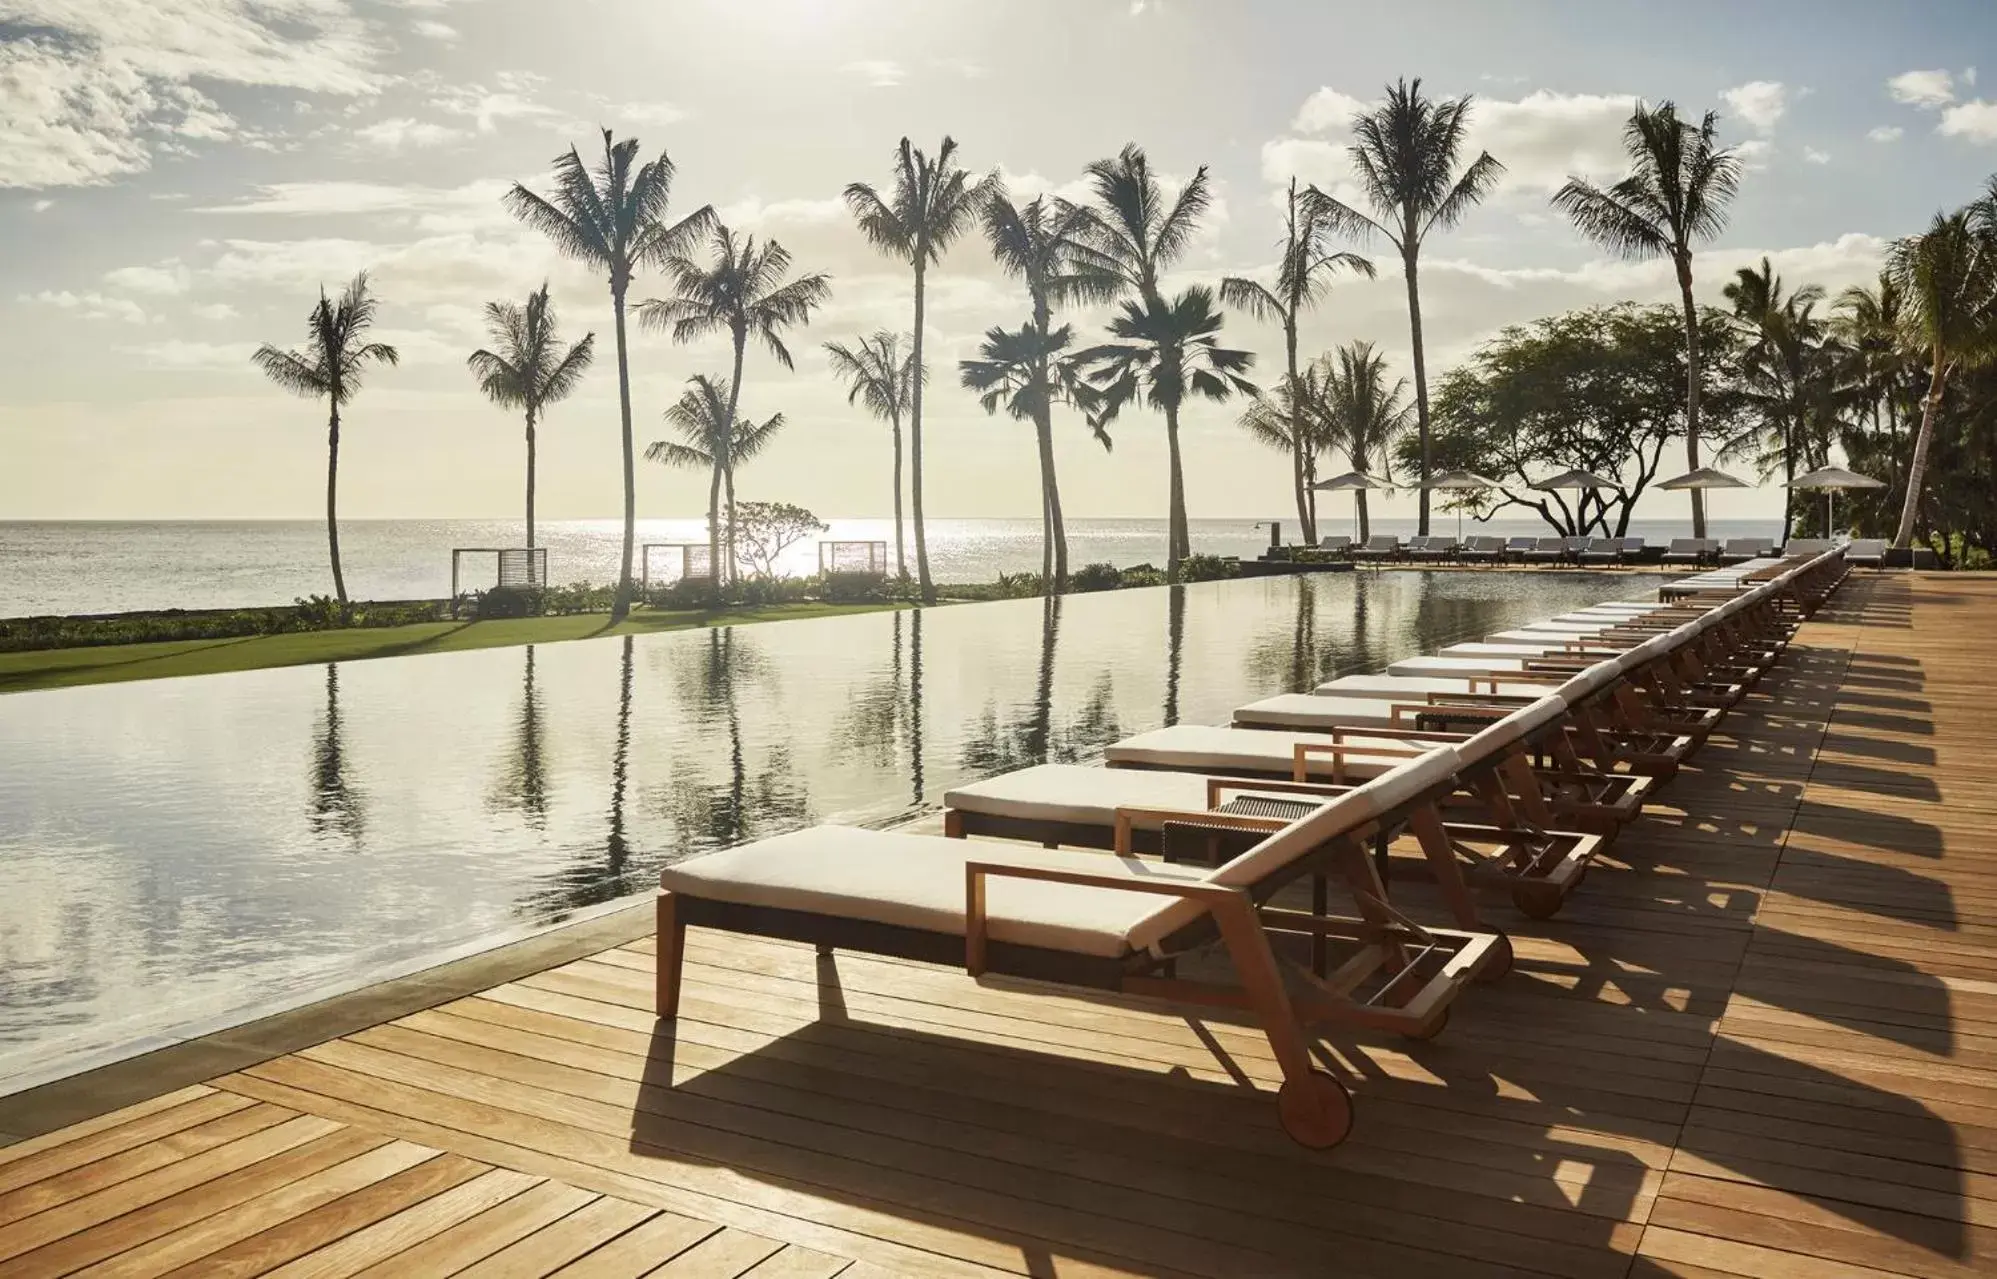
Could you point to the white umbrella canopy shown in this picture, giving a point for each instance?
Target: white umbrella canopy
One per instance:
(1580, 481)
(1704, 478)
(1465, 481)
(1831, 479)
(1352, 482)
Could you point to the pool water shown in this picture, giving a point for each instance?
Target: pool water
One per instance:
(177, 855)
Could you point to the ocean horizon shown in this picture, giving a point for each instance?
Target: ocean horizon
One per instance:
(96, 566)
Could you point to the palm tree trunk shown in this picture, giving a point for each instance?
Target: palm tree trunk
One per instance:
(333, 504)
(1365, 523)
(1178, 542)
(728, 518)
(620, 607)
(900, 560)
(1917, 468)
(927, 588)
(728, 452)
(1692, 391)
(1054, 557)
(714, 524)
(1306, 521)
(530, 487)
(1421, 379)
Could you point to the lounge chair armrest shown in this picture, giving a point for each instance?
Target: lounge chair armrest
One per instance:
(1127, 819)
(1213, 896)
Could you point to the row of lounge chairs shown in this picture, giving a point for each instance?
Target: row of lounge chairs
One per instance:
(1589, 551)
(1510, 763)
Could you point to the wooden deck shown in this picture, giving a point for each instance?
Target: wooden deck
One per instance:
(1762, 1041)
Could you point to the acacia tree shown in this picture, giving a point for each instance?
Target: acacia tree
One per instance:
(739, 290)
(530, 370)
(332, 366)
(712, 441)
(880, 373)
(768, 529)
(933, 199)
(1303, 279)
(613, 218)
(1404, 153)
(1680, 183)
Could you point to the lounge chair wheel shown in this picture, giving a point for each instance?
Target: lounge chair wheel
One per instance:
(1500, 961)
(1536, 900)
(1315, 1110)
(1429, 1029)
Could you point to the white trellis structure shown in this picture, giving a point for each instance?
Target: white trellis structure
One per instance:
(519, 567)
(676, 561)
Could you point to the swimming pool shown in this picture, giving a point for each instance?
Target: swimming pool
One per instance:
(182, 854)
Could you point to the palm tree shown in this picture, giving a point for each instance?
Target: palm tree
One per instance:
(1680, 183)
(333, 364)
(712, 441)
(1790, 374)
(741, 291)
(1363, 415)
(883, 375)
(1302, 280)
(1290, 420)
(1041, 245)
(932, 201)
(1405, 153)
(1024, 374)
(1167, 349)
(613, 218)
(530, 370)
(1948, 278)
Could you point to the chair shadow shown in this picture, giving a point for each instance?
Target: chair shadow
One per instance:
(1869, 828)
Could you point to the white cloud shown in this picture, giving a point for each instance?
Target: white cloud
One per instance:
(1885, 133)
(639, 114)
(1923, 88)
(164, 280)
(511, 100)
(1758, 102)
(1754, 153)
(753, 214)
(214, 311)
(434, 30)
(1328, 111)
(99, 88)
(1815, 156)
(90, 305)
(42, 206)
(307, 199)
(180, 355)
(1975, 119)
(878, 72)
(400, 133)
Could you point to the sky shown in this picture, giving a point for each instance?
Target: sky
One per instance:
(178, 178)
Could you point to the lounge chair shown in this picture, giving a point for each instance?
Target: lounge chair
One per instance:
(1691, 550)
(1482, 550)
(1602, 550)
(1866, 552)
(1380, 546)
(1113, 923)
(1547, 550)
(1807, 546)
(1337, 544)
(1739, 550)
(1632, 550)
(1518, 548)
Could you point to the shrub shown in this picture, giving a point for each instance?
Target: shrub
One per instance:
(1143, 575)
(507, 601)
(577, 597)
(1095, 577)
(319, 611)
(1207, 568)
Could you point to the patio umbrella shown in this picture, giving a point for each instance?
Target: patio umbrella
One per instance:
(1580, 481)
(1830, 479)
(1460, 480)
(1703, 478)
(1351, 482)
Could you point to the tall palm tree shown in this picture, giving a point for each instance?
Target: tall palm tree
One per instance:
(740, 290)
(933, 199)
(1165, 350)
(1290, 419)
(1405, 152)
(1363, 414)
(1024, 374)
(332, 365)
(1303, 278)
(1948, 277)
(1040, 244)
(880, 373)
(614, 219)
(713, 441)
(1790, 373)
(1680, 183)
(530, 370)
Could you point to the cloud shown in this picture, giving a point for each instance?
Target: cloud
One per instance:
(1975, 119)
(752, 213)
(434, 30)
(164, 280)
(878, 72)
(400, 133)
(214, 311)
(639, 114)
(96, 90)
(511, 100)
(91, 305)
(1758, 102)
(180, 355)
(42, 206)
(1923, 88)
(318, 199)
(1815, 156)
(1885, 133)
(1754, 153)
(1328, 111)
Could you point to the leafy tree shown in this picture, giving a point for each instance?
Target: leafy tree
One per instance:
(530, 370)
(1793, 377)
(881, 373)
(1165, 350)
(1303, 278)
(1041, 245)
(332, 366)
(739, 290)
(1599, 390)
(1360, 413)
(710, 440)
(1680, 183)
(933, 199)
(613, 218)
(768, 529)
(1405, 152)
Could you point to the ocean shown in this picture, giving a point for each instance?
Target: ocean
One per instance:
(76, 567)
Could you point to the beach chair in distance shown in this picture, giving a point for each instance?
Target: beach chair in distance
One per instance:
(1571, 548)
(1739, 550)
(1632, 550)
(1806, 546)
(1379, 547)
(1602, 550)
(1482, 550)
(1690, 550)
(1338, 544)
(1547, 550)
(1116, 924)
(1517, 548)
(1866, 552)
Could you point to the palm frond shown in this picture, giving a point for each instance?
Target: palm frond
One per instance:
(292, 372)
(1608, 218)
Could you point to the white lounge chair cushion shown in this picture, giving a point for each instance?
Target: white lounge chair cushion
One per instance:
(1465, 666)
(1313, 710)
(1589, 682)
(1221, 750)
(1079, 793)
(1416, 687)
(917, 881)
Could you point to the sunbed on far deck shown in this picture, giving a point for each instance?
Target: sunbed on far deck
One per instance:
(1807, 546)
(1739, 550)
(1691, 550)
(1380, 546)
(1602, 550)
(1336, 544)
(1866, 552)
(1547, 550)
(1482, 550)
(1519, 548)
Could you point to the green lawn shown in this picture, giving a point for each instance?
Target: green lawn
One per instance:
(62, 667)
